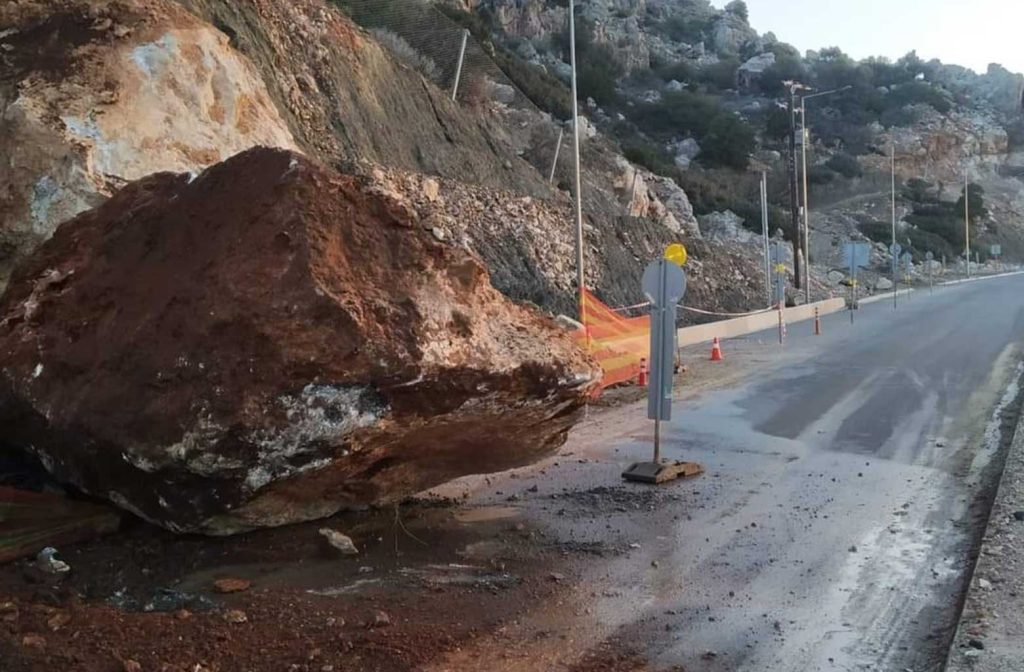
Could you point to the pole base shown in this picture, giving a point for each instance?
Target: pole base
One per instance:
(661, 472)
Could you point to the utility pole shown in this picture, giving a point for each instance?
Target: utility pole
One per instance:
(807, 211)
(967, 221)
(764, 241)
(581, 287)
(794, 194)
(807, 207)
(895, 279)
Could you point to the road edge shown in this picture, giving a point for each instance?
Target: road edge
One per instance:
(990, 632)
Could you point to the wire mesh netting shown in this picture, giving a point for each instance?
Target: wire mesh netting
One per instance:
(419, 33)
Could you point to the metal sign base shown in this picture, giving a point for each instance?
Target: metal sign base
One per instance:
(661, 472)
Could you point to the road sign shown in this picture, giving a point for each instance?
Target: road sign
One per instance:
(928, 256)
(664, 283)
(996, 250)
(676, 253)
(895, 249)
(856, 254)
(778, 259)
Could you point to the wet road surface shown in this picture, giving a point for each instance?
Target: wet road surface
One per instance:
(848, 478)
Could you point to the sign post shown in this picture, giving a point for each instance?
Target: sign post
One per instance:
(895, 250)
(778, 255)
(908, 267)
(664, 285)
(855, 255)
(928, 259)
(996, 251)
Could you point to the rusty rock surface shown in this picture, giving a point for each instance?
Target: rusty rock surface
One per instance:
(98, 93)
(268, 342)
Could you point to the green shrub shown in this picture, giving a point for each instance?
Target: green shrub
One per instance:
(680, 71)
(544, 89)
(820, 175)
(728, 142)
(649, 156)
(720, 76)
(598, 74)
(845, 165)
(681, 29)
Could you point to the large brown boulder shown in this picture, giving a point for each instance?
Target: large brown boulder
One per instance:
(269, 342)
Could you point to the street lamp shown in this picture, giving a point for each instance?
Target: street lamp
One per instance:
(807, 212)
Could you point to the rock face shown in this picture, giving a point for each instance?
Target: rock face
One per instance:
(95, 94)
(725, 227)
(266, 343)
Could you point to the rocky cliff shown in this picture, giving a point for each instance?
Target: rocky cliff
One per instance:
(95, 94)
(668, 57)
(102, 92)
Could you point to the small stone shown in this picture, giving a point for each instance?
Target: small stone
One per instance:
(339, 541)
(1018, 516)
(976, 644)
(33, 642)
(226, 586)
(236, 616)
(852, 549)
(555, 576)
(58, 621)
(183, 614)
(438, 233)
(380, 619)
(130, 665)
(984, 584)
(431, 189)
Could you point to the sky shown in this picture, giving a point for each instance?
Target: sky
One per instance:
(971, 33)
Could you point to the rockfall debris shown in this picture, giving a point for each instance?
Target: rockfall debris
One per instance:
(268, 342)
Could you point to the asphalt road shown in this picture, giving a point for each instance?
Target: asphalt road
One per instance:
(848, 479)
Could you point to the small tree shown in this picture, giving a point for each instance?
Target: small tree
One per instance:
(738, 8)
(728, 142)
(976, 202)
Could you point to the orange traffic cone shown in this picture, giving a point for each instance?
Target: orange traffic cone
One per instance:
(716, 351)
(641, 379)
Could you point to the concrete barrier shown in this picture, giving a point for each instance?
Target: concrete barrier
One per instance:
(749, 324)
(885, 295)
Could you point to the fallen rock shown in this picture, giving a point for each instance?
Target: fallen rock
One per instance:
(380, 620)
(1018, 516)
(227, 586)
(32, 641)
(269, 342)
(725, 227)
(236, 616)
(339, 541)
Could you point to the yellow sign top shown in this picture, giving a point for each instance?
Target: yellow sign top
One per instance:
(676, 253)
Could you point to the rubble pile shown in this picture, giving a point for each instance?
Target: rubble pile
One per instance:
(270, 341)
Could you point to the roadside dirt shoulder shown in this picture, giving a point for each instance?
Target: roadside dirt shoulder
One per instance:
(991, 633)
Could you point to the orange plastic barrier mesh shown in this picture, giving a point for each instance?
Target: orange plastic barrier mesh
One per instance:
(618, 343)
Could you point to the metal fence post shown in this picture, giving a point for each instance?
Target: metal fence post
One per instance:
(558, 149)
(458, 68)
